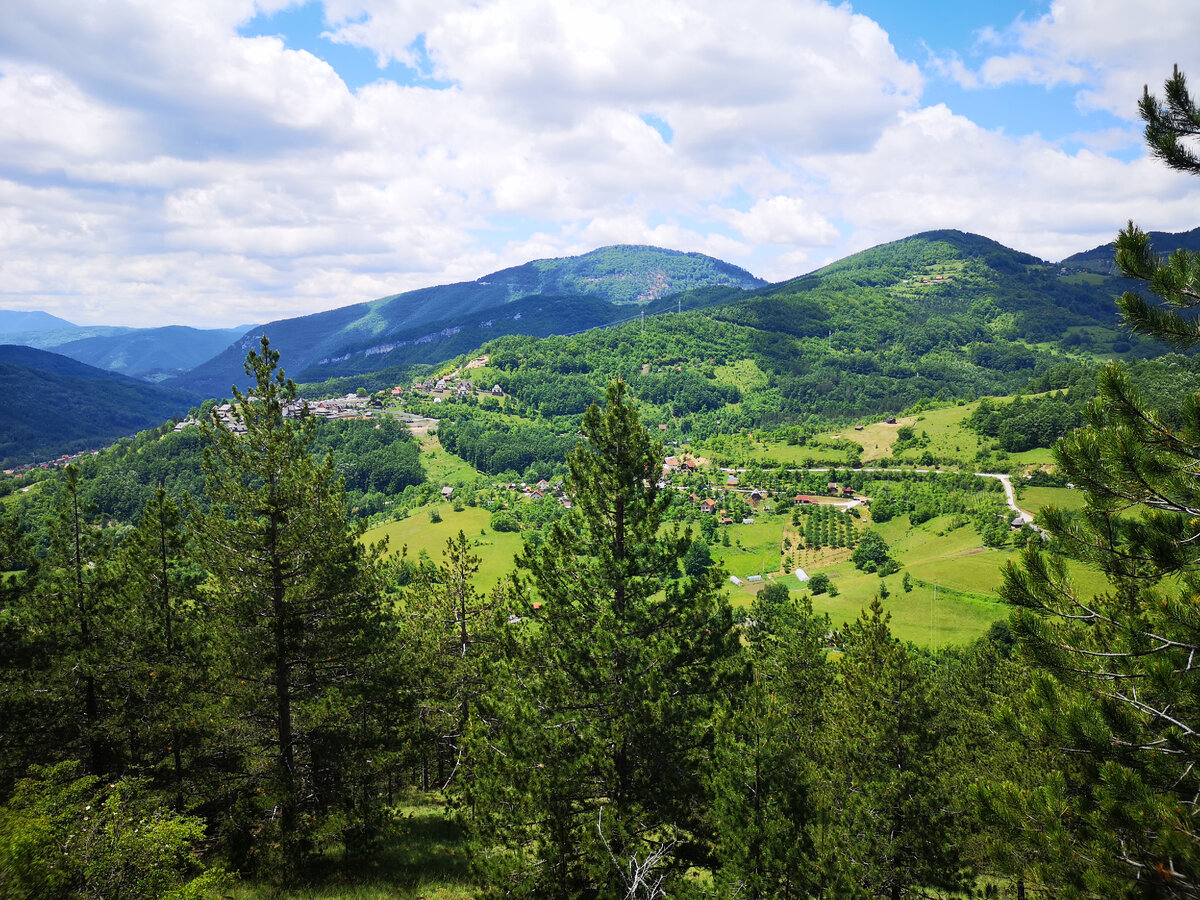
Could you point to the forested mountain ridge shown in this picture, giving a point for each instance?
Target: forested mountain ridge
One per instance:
(54, 404)
(1100, 259)
(593, 289)
(941, 314)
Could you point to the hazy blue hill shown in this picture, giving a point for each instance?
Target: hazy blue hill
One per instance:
(12, 320)
(150, 352)
(1100, 259)
(55, 405)
(413, 326)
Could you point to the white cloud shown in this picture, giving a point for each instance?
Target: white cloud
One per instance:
(1107, 49)
(158, 166)
(784, 221)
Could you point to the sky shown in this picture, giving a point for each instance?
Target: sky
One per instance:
(225, 162)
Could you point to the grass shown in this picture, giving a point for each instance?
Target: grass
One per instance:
(949, 438)
(442, 466)
(1035, 499)
(496, 550)
(424, 860)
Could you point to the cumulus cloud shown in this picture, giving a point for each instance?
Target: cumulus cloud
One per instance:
(162, 166)
(1104, 48)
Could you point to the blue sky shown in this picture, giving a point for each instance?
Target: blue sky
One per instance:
(214, 162)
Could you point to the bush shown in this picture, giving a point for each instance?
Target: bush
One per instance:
(64, 835)
(503, 520)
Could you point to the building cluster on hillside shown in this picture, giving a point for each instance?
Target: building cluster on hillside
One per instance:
(451, 386)
(57, 463)
(349, 407)
(540, 491)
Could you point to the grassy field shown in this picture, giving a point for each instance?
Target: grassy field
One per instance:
(496, 550)
(1035, 499)
(442, 466)
(949, 437)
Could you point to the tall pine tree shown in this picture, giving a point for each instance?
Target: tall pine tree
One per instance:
(1118, 685)
(592, 777)
(300, 610)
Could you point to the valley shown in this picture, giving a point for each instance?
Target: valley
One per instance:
(835, 471)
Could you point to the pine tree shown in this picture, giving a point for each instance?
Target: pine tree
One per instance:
(765, 784)
(888, 832)
(453, 643)
(592, 774)
(64, 619)
(1118, 682)
(159, 650)
(299, 606)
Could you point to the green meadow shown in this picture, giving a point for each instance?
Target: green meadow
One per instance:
(496, 550)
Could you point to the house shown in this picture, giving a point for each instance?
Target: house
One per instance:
(731, 481)
(537, 495)
(832, 487)
(858, 428)
(708, 506)
(726, 519)
(497, 391)
(847, 491)
(690, 465)
(802, 498)
(662, 427)
(756, 495)
(890, 420)
(447, 492)
(543, 485)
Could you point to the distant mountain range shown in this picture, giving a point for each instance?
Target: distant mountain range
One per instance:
(934, 297)
(151, 354)
(1100, 259)
(55, 405)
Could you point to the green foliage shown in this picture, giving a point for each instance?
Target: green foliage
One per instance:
(871, 554)
(889, 831)
(596, 758)
(308, 655)
(65, 835)
(1115, 689)
(56, 405)
(503, 520)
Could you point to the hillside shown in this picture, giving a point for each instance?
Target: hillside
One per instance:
(55, 405)
(942, 314)
(1100, 259)
(151, 353)
(428, 324)
(148, 353)
(16, 321)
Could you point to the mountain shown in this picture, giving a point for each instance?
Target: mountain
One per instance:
(436, 323)
(1100, 259)
(150, 353)
(943, 314)
(54, 405)
(12, 320)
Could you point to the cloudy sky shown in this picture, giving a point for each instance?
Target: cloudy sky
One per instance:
(219, 162)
